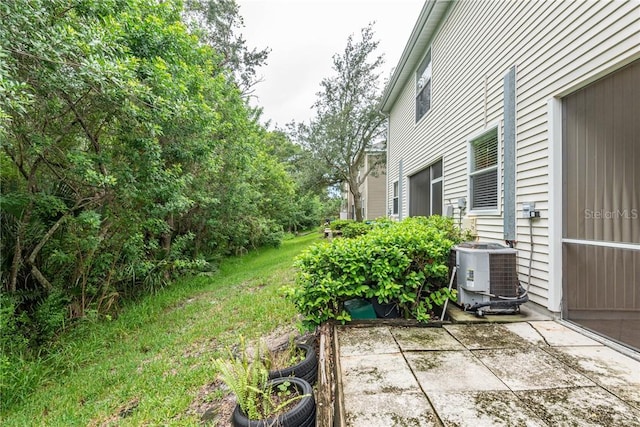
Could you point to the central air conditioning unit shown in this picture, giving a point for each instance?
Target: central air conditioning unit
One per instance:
(487, 278)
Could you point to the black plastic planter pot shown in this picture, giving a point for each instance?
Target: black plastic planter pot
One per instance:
(385, 310)
(303, 414)
(307, 369)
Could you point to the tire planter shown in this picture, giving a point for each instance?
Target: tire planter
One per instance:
(303, 414)
(307, 369)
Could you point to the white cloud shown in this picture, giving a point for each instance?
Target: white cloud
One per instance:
(303, 36)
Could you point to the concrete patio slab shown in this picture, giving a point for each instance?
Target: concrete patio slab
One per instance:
(485, 336)
(587, 406)
(483, 409)
(527, 313)
(527, 332)
(603, 365)
(390, 409)
(441, 371)
(531, 368)
(557, 335)
(424, 339)
(378, 373)
(518, 374)
(366, 341)
(629, 394)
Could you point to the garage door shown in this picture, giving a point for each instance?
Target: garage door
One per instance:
(601, 201)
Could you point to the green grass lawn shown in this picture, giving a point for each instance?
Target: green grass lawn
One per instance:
(147, 366)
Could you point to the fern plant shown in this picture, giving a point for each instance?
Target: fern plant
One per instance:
(247, 377)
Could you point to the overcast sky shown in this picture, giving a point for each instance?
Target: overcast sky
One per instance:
(303, 35)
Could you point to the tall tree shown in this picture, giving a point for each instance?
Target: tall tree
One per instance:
(348, 124)
(127, 154)
(220, 23)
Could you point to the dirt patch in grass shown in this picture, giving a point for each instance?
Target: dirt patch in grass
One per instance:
(213, 404)
(122, 412)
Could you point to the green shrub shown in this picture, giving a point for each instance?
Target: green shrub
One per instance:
(403, 262)
(339, 224)
(355, 229)
(351, 228)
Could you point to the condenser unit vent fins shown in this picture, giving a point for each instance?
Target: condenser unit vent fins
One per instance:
(503, 275)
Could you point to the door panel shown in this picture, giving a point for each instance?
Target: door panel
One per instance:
(601, 206)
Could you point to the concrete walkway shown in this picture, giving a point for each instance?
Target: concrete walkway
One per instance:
(534, 373)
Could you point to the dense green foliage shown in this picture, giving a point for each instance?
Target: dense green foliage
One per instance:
(151, 365)
(128, 156)
(400, 262)
(339, 224)
(350, 228)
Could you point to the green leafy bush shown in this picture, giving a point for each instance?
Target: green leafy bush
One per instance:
(403, 262)
(339, 224)
(355, 229)
(351, 228)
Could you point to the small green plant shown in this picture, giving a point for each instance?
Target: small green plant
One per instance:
(284, 389)
(399, 262)
(247, 377)
(289, 356)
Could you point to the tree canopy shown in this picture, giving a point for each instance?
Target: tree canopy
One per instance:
(348, 125)
(129, 154)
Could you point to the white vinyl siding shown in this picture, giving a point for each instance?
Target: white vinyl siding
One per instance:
(557, 47)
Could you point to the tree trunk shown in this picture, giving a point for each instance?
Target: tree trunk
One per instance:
(354, 188)
(165, 241)
(357, 205)
(17, 260)
(32, 258)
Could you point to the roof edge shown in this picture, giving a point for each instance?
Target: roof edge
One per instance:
(421, 32)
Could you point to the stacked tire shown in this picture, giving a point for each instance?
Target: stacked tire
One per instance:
(307, 369)
(300, 376)
(303, 414)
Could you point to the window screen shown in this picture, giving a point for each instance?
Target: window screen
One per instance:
(395, 198)
(423, 87)
(483, 171)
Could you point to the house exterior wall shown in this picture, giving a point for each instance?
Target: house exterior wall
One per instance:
(374, 194)
(373, 191)
(556, 47)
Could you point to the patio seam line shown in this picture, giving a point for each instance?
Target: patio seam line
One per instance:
(539, 334)
(424, 393)
(619, 398)
(515, 393)
(594, 378)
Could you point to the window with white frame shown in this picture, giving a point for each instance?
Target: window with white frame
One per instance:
(423, 87)
(395, 198)
(425, 191)
(483, 171)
